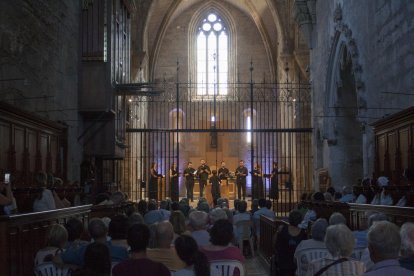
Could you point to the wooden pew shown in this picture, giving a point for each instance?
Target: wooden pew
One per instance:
(22, 235)
(268, 228)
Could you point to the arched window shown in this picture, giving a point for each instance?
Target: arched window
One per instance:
(212, 56)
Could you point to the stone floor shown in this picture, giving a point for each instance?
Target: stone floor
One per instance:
(257, 266)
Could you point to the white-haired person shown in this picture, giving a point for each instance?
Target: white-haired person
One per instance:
(198, 223)
(347, 195)
(384, 244)
(340, 243)
(382, 197)
(407, 246)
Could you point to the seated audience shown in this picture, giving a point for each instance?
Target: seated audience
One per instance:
(198, 223)
(135, 218)
(98, 232)
(196, 262)
(203, 206)
(381, 196)
(117, 230)
(56, 240)
(142, 207)
(6, 199)
(164, 206)
(164, 252)
(285, 242)
(331, 190)
(310, 215)
(59, 194)
(75, 230)
(337, 218)
(241, 216)
(384, 244)
(340, 244)
(138, 263)
(221, 235)
(263, 211)
(347, 195)
(328, 196)
(177, 220)
(97, 261)
(44, 200)
(314, 248)
(254, 207)
(153, 215)
(217, 214)
(407, 246)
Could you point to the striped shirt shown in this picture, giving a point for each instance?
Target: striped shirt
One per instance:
(349, 268)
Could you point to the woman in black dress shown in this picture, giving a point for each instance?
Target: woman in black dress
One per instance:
(153, 182)
(257, 182)
(274, 182)
(174, 182)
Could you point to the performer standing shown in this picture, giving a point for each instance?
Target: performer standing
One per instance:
(174, 182)
(223, 172)
(189, 180)
(274, 182)
(241, 173)
(203, 171)
(257, 182)
(215, 186)
(153, 182)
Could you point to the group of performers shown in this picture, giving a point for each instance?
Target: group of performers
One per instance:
(216, 179)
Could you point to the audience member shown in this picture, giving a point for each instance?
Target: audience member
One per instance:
(75, 230)
(310, 214)
(164, 252)
(384, 244)
(328, 196)
(221, 235)
(138, 263)
(164, 210)
(203, 206)
(198, 223)
(340, 244)
(337, 218)
(217, 214)
(331, 190)
(286, 240)
(153, 215)
(97, 261)
(241, 216)
(56, 240)
(7, 201)
(311, 249)
(197, 263)
(347, 195)
(117, 230)
(263, 211)
(135, 218)
(407, 246)
(44, 200)
(177, 220)
(59, 194)
(142, 207)
(255, 206)
(381, 196)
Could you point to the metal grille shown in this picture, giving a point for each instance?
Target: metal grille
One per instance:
(176, 125)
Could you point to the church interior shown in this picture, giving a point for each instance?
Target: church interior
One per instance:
(107, 106)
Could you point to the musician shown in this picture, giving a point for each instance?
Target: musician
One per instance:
(257, 182)
(202, 172)
(241, 173)
(274, 182)
(215, 186)
(223, 173)
(153, 182)
(174, 182)
(189, 173)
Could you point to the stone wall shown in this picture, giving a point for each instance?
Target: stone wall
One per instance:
(379, 37)
(39, 62)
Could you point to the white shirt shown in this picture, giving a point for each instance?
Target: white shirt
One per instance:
(46, 203)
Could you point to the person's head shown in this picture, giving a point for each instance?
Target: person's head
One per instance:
(255, 204)
(242, 206)
(328, 196)
(175, 206)
(382, 181)
(153, 165)
(97, 229)
(189, 164)
(164, 234)
(223, 164)
(57, 236)
(268, 204)
(41, 179)
(375, 217)
(319, 229)
(198, 220)
(318, 196)
(407, 239)
(384, 241)
(241, 163)
(164, 205)
(75, 229)
(177, 220)
(217, 214)
(97, 259)
(337, 218)
(142, 207)
(295, 217)
(262, 202)
(331, 190)
(173, 166)
(275, 165)
(152, 205)
(337, 196)
(138, 237)
(346, 190)
(135, 218)
(214, 172)
(202, 162)
(187, 251)
(221, 233)
(339, 240)
(118, 197)
(203, 206)
(118, 227)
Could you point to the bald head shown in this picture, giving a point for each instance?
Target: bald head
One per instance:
(164, 234)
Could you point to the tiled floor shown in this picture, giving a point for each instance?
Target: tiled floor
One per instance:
(257, 266)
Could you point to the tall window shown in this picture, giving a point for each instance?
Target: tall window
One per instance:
(249, 127)
(212, 56)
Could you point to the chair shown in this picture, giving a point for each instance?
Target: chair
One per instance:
(246, 234)
(358, 252)
(50, 269)
(225, 268)
(306, 256)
